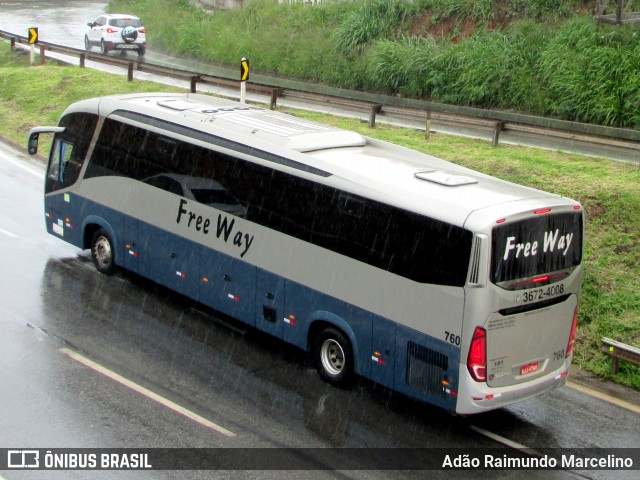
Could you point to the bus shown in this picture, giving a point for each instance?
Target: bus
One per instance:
(446, 285)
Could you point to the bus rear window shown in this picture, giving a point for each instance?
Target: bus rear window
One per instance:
(536, 246)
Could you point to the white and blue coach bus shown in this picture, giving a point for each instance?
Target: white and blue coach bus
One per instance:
(447, 285)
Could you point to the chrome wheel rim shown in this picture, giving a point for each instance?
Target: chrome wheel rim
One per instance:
(332, 356)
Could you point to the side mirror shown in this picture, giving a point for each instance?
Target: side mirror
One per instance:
(90, 24)
(34, 135)
(32, 146)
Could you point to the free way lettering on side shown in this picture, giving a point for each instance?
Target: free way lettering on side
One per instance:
(224, 230)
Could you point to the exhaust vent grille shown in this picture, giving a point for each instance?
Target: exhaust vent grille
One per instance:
(426, 368)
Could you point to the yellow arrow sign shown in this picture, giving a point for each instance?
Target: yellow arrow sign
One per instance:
(33, 35)
(244, 70)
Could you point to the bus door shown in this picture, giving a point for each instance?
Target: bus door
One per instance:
(63, 171)
(270, 304)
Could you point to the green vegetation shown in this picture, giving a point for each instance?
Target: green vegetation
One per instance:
(545, 57)
(38, 95)
(609, 191)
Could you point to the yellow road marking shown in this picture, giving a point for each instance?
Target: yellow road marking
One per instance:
(604, 397)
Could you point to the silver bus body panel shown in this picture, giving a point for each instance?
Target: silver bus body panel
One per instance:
(543, 334)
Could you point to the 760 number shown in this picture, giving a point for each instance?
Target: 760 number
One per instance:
(451, 338)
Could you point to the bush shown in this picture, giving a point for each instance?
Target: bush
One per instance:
(592, 75)
(374, 19)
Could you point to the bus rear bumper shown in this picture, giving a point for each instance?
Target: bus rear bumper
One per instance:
(474, 397)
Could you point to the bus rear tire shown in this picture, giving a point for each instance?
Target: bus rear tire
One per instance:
(102, 252)
(333, 357)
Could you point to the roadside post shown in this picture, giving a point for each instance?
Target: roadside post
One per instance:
(244, 76)
(33, 39)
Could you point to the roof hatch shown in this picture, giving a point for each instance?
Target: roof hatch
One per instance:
(445, 178)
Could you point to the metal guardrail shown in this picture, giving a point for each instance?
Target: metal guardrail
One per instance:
(619, 351)
(370, 103)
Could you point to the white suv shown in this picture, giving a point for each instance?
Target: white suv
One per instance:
(116, 32)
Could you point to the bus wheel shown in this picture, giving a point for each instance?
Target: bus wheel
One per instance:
(102, 252)
(333, 357)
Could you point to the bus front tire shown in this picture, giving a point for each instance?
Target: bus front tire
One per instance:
(102, 252)
(333, 357)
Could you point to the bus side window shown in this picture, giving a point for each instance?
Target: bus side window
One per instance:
(64, 169)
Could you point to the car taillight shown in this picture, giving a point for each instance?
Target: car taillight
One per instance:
(572, 335)
(112, 30)
(142, 30)
(477, 359)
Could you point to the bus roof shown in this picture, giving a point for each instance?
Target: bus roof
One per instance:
(383, 171)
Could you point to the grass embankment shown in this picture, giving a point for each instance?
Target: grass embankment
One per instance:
(545, 57)
(609, 191)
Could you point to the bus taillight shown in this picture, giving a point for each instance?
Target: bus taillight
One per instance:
(572, 336)
(477, 359)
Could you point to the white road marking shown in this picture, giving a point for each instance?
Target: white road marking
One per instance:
(501, 439)
(8, 234)
(604, 397)
(147, 393)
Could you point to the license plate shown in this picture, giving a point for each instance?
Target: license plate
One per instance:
(532, 367)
